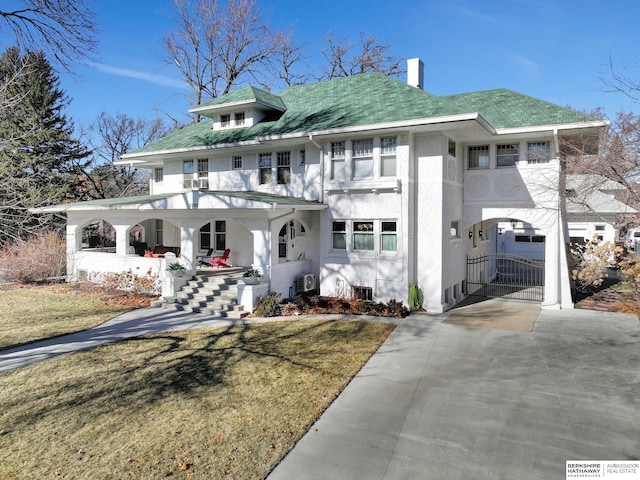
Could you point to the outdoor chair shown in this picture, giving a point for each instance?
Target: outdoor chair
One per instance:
(216, 261)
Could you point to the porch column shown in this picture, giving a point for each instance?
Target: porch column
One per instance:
(187, 248)
(260, 229)
(552, 286)
(122, 239)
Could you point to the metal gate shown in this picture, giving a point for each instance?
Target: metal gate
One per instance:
(505, 275)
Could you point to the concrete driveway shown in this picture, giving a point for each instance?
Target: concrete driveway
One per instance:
(483, 392)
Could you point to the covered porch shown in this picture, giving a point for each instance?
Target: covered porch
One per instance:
(277, 235)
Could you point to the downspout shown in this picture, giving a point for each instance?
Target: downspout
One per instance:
(319, 147)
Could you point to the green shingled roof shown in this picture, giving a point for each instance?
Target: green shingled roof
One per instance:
(366, 99)
(248, 94)
(504, 108)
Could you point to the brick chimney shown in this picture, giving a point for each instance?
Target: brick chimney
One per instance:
(415, 73)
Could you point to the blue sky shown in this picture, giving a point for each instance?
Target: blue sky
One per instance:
(555, 50)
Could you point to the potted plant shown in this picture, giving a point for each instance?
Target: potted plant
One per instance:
(176, 269)
(251, 276)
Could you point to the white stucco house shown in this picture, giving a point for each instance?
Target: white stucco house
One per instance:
(366, 183)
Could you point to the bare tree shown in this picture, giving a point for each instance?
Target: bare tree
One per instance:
(287, 57)
(341, 61)
(219, 45)
(63, 29)
(113, 136)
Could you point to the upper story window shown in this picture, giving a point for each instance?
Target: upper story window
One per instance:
(538, 152)
(264, 165)
(507, 155)
(362, 151)
(338, 170)
(452, 148)
(225, 120)
(388, 156)
(239, 118)
(158, 175)
(479, 156)
(203, 167)
(236, 162)
(284, 168)
(302, 158)
(187, 167)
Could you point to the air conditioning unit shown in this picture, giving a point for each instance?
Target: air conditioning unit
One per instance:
(306, 283)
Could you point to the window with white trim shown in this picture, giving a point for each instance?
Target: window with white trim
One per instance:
(363, 235)
(507, 155)
(159, 231)
(452, 148)
(203, 168)
(283, 160)
(538, 152)
(388, 237)
(388, 156)
(158, 175)
(187, 173)
(455, 229)
(264, 165)
(225, 120)
(362, 154)
(302, 158)
(205, 236)
(339, 234)
(479, 157)
(362, 293)
(338, 170)
(239, 118)
(236, 162)
(221, 235)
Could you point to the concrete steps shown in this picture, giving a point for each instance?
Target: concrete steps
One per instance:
(210, 294)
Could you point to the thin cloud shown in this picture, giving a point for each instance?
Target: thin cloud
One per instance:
(529, 67)
(139, 75)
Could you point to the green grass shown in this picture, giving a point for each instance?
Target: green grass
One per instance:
(30, 314)
(201, 404)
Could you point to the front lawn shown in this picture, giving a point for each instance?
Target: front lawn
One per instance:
(199, 404)
(28, 314)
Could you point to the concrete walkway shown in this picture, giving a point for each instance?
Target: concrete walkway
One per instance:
(488, 391)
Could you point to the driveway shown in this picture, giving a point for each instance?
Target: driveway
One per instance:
(483, 392)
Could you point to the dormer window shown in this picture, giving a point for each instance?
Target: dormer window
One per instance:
(239, 118)
(225, 120)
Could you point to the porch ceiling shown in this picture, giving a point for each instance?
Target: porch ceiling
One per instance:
(190, 200)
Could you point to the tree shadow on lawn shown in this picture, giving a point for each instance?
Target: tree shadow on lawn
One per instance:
(142, 371)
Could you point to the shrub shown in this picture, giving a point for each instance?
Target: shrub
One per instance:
(415, 303)
(630, 273)
(37, 259)
(396, 309)
(268, 306)
(129, 281)
(589, 262)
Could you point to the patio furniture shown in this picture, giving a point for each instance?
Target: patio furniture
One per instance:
(216, 261)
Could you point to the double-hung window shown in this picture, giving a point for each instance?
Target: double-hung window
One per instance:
(507, 155)
(236, 162)
(338, 170)
(225, 120)
(479, 156)
(388, 237)
(205, 236)
(388, 156)
(187, 173)
(158, 175)
(538, 152)
(264, 164)
(339, 233)
(362, 151)
(284, 168)
(239, 118)
(363, 235)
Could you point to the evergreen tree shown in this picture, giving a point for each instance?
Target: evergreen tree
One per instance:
(40, 162)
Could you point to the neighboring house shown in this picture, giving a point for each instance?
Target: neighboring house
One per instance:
(592, 208)
(367, 182)
(591, 211)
